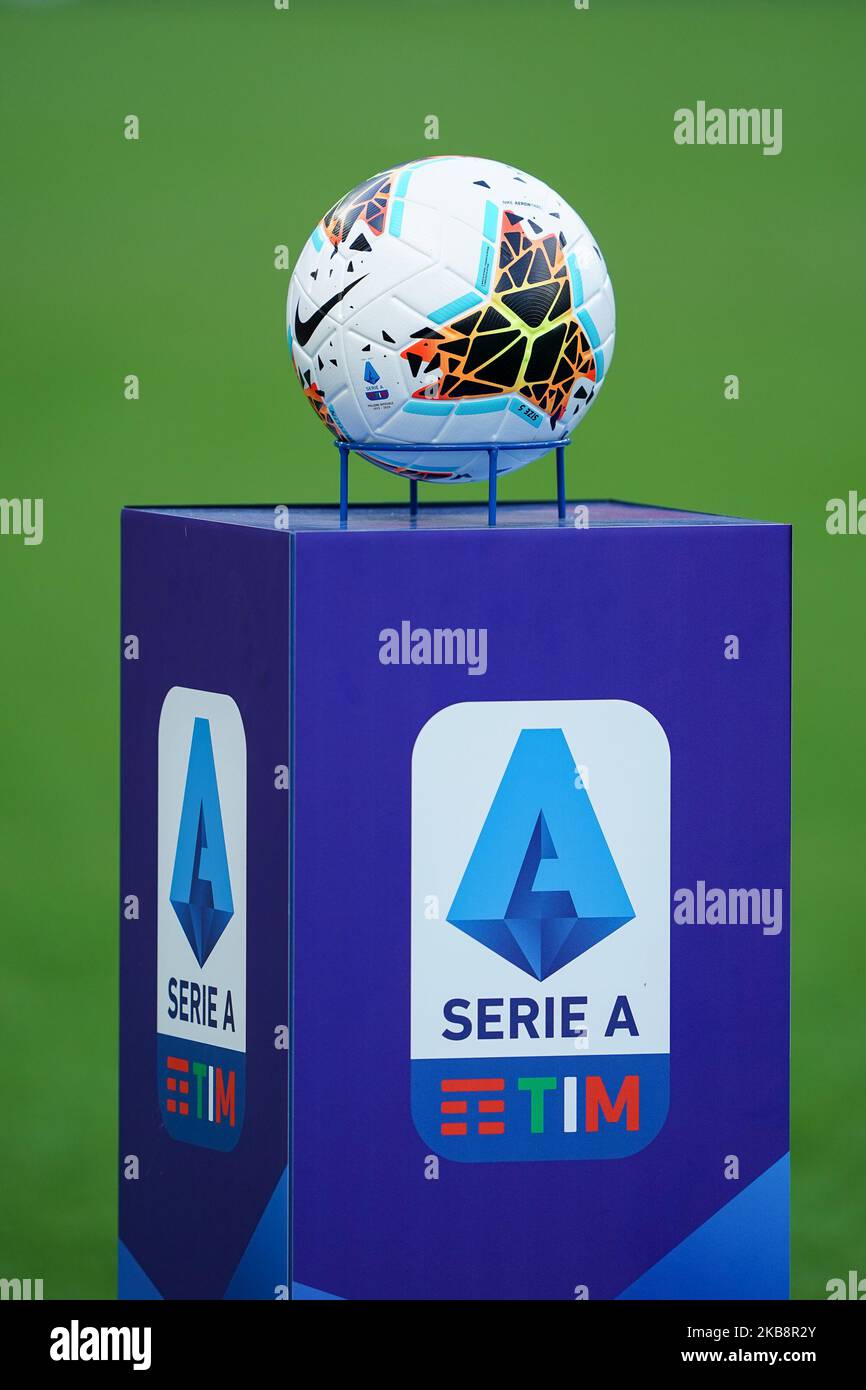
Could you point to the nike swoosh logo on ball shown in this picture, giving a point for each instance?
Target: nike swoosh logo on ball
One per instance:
(304, 330)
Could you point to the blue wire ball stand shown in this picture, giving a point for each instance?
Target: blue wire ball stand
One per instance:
(348, 446)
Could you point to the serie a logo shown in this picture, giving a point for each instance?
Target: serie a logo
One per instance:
(201, 920)
(540, 930)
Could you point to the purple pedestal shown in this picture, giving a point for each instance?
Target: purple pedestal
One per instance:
(454, 929)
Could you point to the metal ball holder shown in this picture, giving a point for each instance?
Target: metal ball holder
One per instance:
(348, 446)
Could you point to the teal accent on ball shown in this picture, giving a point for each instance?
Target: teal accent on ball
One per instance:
(485, 267)
(491, 220)
(457, 306)
(599, 365)
(317, 239)
(481, 407)
(576, 280)
(591, 331)
(426, 408)
(524, 412)
(395, 226)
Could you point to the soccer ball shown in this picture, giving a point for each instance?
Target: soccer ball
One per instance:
(447, 301)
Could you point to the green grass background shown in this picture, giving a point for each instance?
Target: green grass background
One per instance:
(156, 258)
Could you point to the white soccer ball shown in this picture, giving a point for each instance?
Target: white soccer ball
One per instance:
(451, 300)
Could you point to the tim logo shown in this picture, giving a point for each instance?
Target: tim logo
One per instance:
(201, 936)
(203, 1092)
(540, 930)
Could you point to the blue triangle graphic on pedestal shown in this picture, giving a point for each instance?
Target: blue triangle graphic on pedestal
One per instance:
(264, 1265)
(306, 1293)
(742, 1251)
(132, 1282)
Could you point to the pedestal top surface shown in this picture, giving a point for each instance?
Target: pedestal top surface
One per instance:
(452, 516)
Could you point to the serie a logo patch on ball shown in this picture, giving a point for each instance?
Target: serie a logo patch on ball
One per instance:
(540, 930)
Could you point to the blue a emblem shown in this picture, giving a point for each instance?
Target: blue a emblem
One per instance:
(372, 390)
(541, 886)
(201, 892)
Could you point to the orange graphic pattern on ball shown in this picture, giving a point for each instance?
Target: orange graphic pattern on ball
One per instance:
(317, 401)
(369, 202)
(525, 339)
